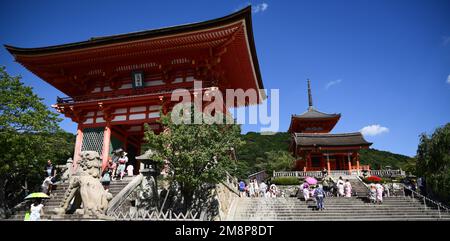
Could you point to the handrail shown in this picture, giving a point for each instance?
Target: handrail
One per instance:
(124, 193)
(359, 179)
(231, 180)
(438, 204)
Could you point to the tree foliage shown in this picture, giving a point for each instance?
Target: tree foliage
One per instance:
(198, 153)
(29, 136)
(433, 161)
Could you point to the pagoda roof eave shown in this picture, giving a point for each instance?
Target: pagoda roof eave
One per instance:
(312, 114)
(330, 140)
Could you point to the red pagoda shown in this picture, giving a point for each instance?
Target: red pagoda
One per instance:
(315, 148)
(116, 84)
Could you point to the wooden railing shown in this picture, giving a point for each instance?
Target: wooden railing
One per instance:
(354, 172)
(124, 93)
(387, 173)
(297, 174)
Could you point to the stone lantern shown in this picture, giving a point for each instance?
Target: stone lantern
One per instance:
(149, 165)
(148, 197)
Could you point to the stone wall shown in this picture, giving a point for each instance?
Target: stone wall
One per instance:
(225, 197)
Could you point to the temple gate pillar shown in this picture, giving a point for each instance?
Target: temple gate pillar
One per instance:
(349, 164)
(357, 163)
(78, 144)
(328, 164)
(106, 142)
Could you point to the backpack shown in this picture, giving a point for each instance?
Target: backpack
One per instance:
(319, 192)
(241, 186)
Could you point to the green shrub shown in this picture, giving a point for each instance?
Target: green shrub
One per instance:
(285, 181)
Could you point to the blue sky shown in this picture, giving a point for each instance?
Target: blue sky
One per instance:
(383, 63)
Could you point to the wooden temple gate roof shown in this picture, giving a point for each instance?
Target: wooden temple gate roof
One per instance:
(222, 49)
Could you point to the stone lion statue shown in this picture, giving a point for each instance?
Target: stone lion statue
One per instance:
(85, 188)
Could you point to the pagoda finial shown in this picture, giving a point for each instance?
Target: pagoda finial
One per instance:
(309, 96)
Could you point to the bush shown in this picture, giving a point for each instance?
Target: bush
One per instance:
(286, 181)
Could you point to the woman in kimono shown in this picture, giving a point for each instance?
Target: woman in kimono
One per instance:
(122, 164)
(306, 192)
(273, 190)
(340, 187)
(256, 186)
(372, 193)
(380, 190)
(251, 188)
(348, 189)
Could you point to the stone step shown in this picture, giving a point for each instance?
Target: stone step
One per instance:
(335, 208)
(406, 218)
(338, 212)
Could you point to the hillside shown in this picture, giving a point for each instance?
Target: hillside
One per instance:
(270, 152)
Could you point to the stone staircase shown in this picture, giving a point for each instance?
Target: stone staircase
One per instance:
(57, 196)
(336, 209)
(358, 188)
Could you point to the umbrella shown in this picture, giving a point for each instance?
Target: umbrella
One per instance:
(374, 179)
(37, 195)
(311, 180)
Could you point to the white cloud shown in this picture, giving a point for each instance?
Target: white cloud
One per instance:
(331, 83)
(448, 79)
(260, 7)
(373, 130)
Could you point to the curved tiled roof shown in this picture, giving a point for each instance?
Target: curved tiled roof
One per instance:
(312, 113)
(344, 139)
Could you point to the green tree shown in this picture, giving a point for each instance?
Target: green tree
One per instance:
(198, 153)
(29, 136)
(433, 162)
(278, 161)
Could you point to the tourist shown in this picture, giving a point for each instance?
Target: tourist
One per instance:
(324, 172)
(36, 210)
(348, 188)
(379, 189)
(276, 191)
(112, 166)
(319, 194)
(421, 183)
(241, 188)
(340, 187)
(50, 169)
(325, 186)
(306, 192)
(251, 189)
(256, 186)
(372, 193)
(122, 163)
(386, 188)
(47, 185)
(300, 190)
(312, 190)
(263, 189)
(106, 179)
